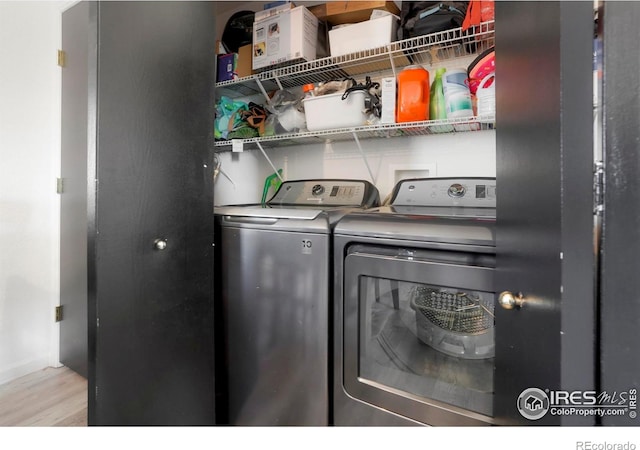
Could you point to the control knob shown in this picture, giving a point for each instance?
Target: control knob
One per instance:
(317, 190)
(456, 190)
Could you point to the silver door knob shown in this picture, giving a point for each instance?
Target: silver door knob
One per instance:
(510, 301)
(160, 244)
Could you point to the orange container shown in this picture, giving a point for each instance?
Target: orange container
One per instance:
(413, 95)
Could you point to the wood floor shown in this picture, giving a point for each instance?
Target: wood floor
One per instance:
(49, 397)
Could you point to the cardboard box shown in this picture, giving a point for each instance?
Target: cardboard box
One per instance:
(363, 36)
(285, 37)
(272, 11)
(245, 61)
(220, 48)
(338, 13)
(227, 67)
(276, 3)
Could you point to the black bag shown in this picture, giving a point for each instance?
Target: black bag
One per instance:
(420, 18)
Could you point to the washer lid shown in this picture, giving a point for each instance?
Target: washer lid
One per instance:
(269, 212)
(308, 199)
(440, 211)
(386, 223)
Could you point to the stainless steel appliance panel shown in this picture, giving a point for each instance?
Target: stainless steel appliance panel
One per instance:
(326, 193)
(276, 312)
(446, 192)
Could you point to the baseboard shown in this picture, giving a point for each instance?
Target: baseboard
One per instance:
(23, 368)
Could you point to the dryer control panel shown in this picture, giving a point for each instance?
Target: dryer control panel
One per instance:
(326, 193)
(466, 192)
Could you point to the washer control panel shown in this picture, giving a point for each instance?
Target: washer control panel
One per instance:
(467, 192)
(322, 192)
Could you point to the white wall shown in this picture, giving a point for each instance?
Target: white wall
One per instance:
(470, 154)
(29, 205)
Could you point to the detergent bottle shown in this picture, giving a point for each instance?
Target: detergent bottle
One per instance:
(413, 95)
(437, 104)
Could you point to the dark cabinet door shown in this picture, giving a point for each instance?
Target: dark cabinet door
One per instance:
(620, 284)
(73, 201)
(544, 237)
(151, 354)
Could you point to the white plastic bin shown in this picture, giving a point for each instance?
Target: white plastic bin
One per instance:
(328, 112)
(363, 36)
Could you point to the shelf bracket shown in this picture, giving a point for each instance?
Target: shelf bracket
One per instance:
(393, 65)
(269, 160)
(228, 177)
(218, 169)
(278, 83)
(264, 92)
(364, 157)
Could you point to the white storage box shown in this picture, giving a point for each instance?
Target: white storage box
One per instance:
(289, 35)
(388, 99)
(261, 15)
(328, 112)
(363, 36)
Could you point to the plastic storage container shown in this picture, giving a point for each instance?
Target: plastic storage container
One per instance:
(363, 36)
(308, 90)
(327, 112)
(457, 96)
(486, 95)
(413, 95)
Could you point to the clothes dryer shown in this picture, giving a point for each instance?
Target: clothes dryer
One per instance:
(413, 314)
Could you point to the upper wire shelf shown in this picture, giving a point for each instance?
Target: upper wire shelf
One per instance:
(427, 50)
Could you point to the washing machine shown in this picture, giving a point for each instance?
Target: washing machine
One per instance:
(274, 277)
(414, 339)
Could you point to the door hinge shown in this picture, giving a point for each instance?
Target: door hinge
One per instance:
(59, 185)
(58, 313)
(62, 58)
(598, 188)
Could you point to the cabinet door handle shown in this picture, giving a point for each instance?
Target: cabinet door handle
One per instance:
(160, 244)
(510, 301)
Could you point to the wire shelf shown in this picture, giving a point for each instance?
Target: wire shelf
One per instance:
(425, 50)
(428, 50)
(427, 127)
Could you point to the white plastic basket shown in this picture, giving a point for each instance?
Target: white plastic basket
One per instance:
(328, 112)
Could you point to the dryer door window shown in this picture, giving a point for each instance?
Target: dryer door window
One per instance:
(419, 338)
